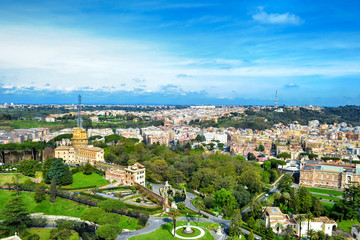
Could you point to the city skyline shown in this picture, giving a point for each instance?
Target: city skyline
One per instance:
(180, 52)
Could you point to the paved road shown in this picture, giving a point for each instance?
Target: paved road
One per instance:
(156, 222)
(262, 198)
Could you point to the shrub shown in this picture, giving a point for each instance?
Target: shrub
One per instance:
(143, 219)
(208, 202)
(181, 206)
(138, 200)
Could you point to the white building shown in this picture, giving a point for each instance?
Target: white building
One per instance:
(274, 218)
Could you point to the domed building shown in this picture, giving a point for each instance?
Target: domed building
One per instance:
(79, 153)
(79, 138)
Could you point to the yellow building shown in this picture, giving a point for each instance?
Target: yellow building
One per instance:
(79, 137)
(79, 152)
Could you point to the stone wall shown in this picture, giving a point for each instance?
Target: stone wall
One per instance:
(148, 191)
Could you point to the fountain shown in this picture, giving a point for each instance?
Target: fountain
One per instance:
(188, 229)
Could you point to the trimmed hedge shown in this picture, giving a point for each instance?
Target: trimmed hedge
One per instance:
(67, 189)
(255, 232)
(97, 197)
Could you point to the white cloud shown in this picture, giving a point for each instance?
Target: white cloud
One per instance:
(276, 18)
(66, 60)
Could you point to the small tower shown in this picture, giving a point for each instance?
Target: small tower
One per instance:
(276, 99)
(79, 136)
(79, 119)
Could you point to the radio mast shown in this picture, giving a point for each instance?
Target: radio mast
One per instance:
(276, 99)
(79, 119)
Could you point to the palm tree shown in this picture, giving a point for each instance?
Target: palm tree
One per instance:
(288, 230)
(299, 219)
(286, 197)
(278, 227)
(309, 218)
(174, 214)
(311, 233)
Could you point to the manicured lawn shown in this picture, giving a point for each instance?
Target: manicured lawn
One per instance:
(44, 233)
(8, 177)
(129, 223)
(329, 207)
(165, 232)
(335, 199)
(81, 180)
(347, 224)
(325, 191)
(60, 207)
(194, 234)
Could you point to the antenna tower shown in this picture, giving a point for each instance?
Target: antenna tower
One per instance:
(79, 119)
(276, 99)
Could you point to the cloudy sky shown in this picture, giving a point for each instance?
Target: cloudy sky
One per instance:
(180, 52)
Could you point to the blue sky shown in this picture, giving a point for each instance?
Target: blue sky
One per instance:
(180, 52)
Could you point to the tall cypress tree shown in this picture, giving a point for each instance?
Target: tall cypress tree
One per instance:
(16, 217)
(53, 190)
(67, 177)
(57, 170)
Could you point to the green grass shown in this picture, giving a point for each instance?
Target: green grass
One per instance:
(165, 232)
(194, 234)
(19, 124)
(335, 199)
(129, 223)
(8, 177)
(347, 224)
(329, 207)
(44, 233)
(60, 207)
(81, 180)
(325, 191)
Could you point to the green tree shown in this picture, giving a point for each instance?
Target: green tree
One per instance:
(261, 148)
(40, 193)
(284, 155)
(350, 204)
(46, 168)
(109, 218)
(108, 231)
(267, 165)
(92, 214)
(309, 217)
(67, 177)
(311, 233)
(225, 201)
(285, 183)
(28, 167)
(15, 215)
(53, 190)
(278, 227)
(251, 157)
(305, 200)
(300, 218)
(113, 138)
(111, 204)
(56, 170)
(88, 168)
(251, 236)
(235, 226)
(174, 214)
(63, 231)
